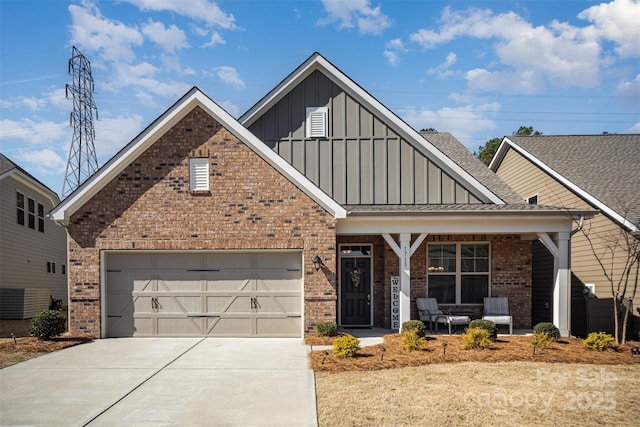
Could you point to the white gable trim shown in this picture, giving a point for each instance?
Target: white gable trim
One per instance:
(32, 183)
(165, 122)
(318, 62)
(507, 143)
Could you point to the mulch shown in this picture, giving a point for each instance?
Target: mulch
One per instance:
(505, 349)
(18, 350)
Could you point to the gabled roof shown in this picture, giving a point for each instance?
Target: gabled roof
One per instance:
(9, 168)
(604, 170)
(192, 99)
(317, 62)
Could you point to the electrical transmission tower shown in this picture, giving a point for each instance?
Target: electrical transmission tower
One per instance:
(82, 161)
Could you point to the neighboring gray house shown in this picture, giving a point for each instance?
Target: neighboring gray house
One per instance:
(33, 249)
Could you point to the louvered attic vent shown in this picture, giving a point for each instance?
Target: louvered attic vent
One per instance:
(316, 124)
(199, 174)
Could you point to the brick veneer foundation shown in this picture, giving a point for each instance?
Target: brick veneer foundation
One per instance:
(148, 206)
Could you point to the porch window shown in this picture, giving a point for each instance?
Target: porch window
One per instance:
(458, 273)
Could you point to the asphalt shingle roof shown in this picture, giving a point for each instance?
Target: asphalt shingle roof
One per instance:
(605, 166)
(457, 152)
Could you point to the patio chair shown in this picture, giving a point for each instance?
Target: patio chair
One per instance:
(496, 309)
(428, 310)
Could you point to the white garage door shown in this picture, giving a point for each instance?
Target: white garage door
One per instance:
(204, 294)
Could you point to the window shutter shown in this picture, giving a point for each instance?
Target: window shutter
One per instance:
(199, 174)
(316, 122)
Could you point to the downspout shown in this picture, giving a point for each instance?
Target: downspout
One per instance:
(586, 303)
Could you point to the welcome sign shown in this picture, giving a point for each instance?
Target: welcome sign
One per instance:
(395, 302)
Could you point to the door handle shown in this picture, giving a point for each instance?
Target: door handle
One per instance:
(368, 299)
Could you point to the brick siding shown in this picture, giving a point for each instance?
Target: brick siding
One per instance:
(149, 206)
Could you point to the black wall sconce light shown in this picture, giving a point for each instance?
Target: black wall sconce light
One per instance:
(317, 262)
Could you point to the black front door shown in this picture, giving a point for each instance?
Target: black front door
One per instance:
(355, 291)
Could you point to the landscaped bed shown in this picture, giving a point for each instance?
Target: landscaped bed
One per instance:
(505, 349)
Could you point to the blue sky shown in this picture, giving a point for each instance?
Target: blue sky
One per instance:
(477, 69)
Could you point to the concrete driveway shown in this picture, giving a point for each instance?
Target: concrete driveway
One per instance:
(163, 381)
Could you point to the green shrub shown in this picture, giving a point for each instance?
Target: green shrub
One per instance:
(411, 340)
(487, 325)
(547, 327)
(346, 346)
(542, 339)
(476, 338)
(327, 329)
(598, 341)
(47, 324)
(413, 325)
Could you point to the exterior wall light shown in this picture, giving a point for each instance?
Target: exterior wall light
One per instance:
(317, 262)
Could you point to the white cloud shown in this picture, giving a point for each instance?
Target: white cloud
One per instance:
(355, 13)
(443, 70)
(392, 57)
(199, 10)
(230, 108)
(524, 82)
(142, 76)
(215, 39)
(113, 40)
(463, 122)
(618, 21)
(634, 129)
(229, 75)
(565, 55)
(44, 161)
(392, 50)
(170, 39)
(33, 132)
(630, 89)
(58, 98)
(114, 133)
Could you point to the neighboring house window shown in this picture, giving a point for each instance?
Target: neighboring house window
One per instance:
(458, 272)
(20, 207)
(32, 213)
(48, 266)
(53, 267)
(316, 123)
(41, 217)
(199, 174)
(63, 269)
(533, 200)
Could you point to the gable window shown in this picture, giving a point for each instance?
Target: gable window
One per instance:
(458, 273)
(20, 207)
(316, 122)
(32, 213)
(41, 217)
(533, 200)
(199, 174)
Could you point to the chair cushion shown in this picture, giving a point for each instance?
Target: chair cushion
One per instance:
(454, 320)
(501, 320)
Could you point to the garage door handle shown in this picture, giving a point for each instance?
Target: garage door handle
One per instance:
(202, 315)
(113, 315)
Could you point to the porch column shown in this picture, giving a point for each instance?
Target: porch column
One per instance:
(559, 248)
(404, 252)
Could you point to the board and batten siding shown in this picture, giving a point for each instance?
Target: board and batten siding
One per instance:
(527, 180)
(26, 251)
(362, 160)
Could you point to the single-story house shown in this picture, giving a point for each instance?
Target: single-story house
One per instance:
(584, 172)
(33, 248)
(318, 204)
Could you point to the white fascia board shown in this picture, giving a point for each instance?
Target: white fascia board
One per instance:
(499, 154)
(149, 136)
(28, 181)
(318, 62)
(507, 143)
(454, 224)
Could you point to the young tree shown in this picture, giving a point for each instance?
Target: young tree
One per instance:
(618, 255)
